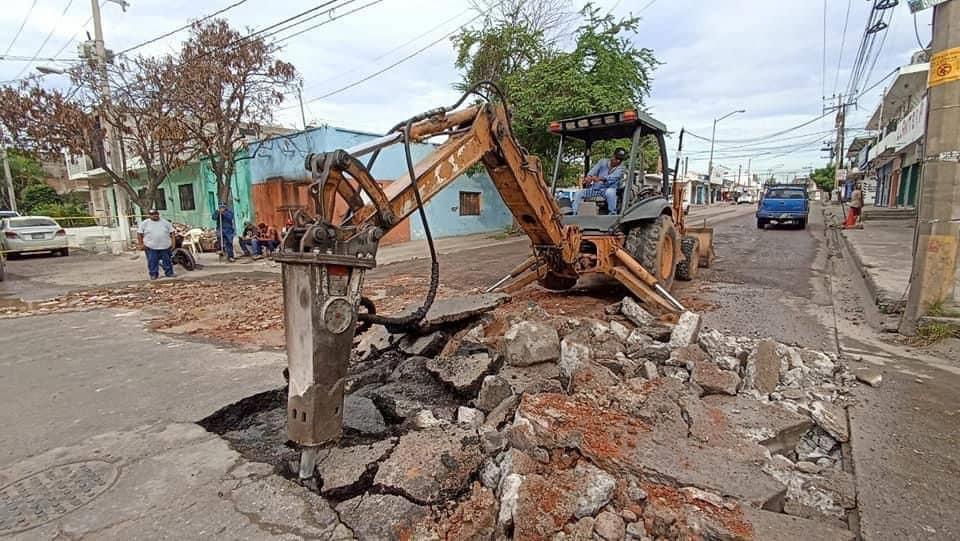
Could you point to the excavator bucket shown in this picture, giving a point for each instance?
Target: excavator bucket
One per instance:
(705, 234)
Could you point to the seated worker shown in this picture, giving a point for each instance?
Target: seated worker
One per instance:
(248, 240)
(267, 237)
(603, 180)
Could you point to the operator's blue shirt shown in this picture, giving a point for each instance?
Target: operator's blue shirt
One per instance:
(226, 222)
(611, 177)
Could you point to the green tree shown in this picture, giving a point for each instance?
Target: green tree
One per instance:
(603, 71)
(825, 178)
(24, 170)
(38, 194)
(66, 214)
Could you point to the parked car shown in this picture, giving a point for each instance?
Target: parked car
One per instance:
(8, 214)
(781, 204)
(23, 234)
(745, 198)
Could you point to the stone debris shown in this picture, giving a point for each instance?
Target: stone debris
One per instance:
(530, 342)
(462, 372)
(636, 313)
(687, 330)
(525, 425)
(361, 415)
(831, 418)
(870, 376)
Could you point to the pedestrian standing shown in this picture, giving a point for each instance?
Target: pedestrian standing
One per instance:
(226, 230)
(155, 237)
(856, 202)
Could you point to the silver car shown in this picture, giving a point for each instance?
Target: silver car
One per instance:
(32, 234)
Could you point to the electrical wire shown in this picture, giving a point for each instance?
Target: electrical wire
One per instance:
(392, 50)
(916, 32)
(843, 41)
(45, 40)
(823, 65)
(183, 27)
(395, 64)
(305, 30)
(20, 29)
(753, 139)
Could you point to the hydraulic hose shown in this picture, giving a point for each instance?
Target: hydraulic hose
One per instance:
(403, 323)
(408, 322)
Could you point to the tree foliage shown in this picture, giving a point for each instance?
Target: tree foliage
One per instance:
(229, 92)
(36, 195)
(825, 178)
(24, 170)
(601, 70)
(200, 103)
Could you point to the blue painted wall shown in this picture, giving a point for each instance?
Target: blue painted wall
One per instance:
(284, 157)
(443, 211)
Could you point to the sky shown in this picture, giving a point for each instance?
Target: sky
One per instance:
(763, 56)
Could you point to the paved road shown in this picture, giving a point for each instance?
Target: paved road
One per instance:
(798, 286)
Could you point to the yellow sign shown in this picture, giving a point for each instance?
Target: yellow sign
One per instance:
(944, 67)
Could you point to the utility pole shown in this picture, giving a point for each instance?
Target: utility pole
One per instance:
(120, 197)
(713, 138)
(6, 175)
(303, 115)
(938, 226)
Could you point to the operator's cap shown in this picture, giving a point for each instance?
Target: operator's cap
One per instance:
(620, 154)
(153, 211)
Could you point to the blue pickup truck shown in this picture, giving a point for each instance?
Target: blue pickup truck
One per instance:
(783, 203)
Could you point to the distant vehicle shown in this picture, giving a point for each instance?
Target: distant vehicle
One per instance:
(782, 204)
(8, 214)
(746, 198)
(23, 234)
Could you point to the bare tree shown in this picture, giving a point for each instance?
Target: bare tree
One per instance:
(553, 19)
(142, 112)
(229, 85)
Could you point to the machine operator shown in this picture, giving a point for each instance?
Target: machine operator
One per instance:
(603, 180)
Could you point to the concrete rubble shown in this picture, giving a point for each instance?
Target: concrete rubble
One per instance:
(497, 423)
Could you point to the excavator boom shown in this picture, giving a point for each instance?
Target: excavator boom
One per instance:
(325, 256)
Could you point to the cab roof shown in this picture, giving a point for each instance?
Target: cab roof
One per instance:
(611, 125)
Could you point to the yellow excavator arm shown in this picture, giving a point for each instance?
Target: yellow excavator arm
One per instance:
(324, 256)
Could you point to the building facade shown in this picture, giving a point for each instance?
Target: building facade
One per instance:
(892, 164)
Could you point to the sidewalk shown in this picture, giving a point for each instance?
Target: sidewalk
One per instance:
(883, 252)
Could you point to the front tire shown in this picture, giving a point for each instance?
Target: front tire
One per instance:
(656, 246)
(802, 223)
(761, 223)
(63, 252)
(689, 268)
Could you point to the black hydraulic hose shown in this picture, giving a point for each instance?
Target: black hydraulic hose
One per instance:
(402, 323)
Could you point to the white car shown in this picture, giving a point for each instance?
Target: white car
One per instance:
(23, 234)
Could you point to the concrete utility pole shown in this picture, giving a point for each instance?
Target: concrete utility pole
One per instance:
(120, 197)
(935, 252)
(8, 177)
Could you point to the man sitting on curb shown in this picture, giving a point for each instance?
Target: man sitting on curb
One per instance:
(603, 181)
(155, 237)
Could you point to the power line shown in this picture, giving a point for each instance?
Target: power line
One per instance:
(753, 139)
(823, 65)
(19, 30)
(20, 58)
(401, 61)
(46, 39)
(843, 41)
(299, 32)
(183, 27)
(916, 32)
(392, 50)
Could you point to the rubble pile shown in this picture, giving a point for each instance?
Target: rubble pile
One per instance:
(526, 425)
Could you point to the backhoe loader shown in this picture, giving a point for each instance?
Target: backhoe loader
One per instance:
(325, 255)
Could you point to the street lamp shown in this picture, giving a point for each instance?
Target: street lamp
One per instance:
(49, 70)
(713, 137)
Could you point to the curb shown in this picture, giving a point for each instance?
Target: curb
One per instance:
(884, 302)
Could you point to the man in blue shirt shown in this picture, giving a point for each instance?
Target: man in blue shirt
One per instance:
(226, 230)
(603, 181)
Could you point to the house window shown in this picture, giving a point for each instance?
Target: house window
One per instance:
(186, 197)
(469, 203)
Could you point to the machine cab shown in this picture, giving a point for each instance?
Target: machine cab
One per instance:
(638, 198)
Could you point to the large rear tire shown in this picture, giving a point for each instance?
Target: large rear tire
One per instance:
(689, 268)
(557, 282)
(656, 246)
